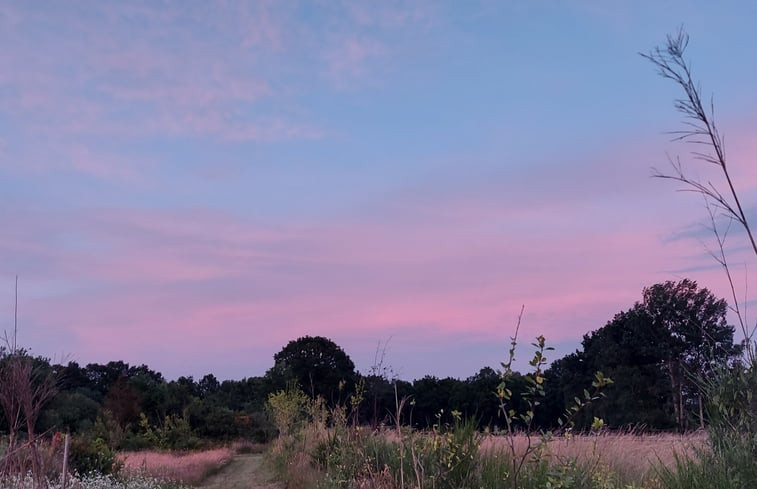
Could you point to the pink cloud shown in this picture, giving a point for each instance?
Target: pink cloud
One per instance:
(112, 168)
(456, 262)
(194, 274)
(162, 80)
(199, 281)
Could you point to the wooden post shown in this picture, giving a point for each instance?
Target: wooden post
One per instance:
(64, 476)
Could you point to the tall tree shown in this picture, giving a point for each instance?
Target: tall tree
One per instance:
(317, 364)
(629, 349)
(691, 324)
(653, 352)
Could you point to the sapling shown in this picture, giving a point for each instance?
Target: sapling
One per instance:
(533, 395)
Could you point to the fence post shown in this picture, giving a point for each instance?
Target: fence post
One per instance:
(64, 476)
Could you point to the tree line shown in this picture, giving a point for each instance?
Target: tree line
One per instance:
(652, 351)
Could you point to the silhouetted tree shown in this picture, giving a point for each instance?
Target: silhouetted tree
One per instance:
(691, 325)
(317, 364)
(652, 352)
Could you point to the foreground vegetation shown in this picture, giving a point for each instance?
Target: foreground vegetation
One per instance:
(143, 470)
(320, 449)
(93, 481)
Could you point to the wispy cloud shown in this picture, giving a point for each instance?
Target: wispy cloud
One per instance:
(192, 272)
(160, 81)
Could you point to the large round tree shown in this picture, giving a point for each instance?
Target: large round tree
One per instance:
(317, 364)
(657, 354)
(695, 334)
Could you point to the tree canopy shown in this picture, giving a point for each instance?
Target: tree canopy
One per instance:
(317, 364)
(653, 352)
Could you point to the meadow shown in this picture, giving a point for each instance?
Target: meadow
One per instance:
(456, 455)
(184, 467)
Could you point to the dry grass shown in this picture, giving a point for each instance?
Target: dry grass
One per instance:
(184, 467)
(629, 455)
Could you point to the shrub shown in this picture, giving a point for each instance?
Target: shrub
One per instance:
(287, 408)
(174, 434)
(89, 455)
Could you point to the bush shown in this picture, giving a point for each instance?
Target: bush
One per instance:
(175, 434)
(287, 408)
(89, 455)
(260, 428)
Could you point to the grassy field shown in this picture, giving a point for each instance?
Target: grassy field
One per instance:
(458, 457)
(184, 467)
(632, 457)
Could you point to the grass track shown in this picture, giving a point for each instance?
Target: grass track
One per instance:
(245, 471)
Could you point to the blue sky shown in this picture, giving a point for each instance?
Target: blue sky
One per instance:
(191, 185)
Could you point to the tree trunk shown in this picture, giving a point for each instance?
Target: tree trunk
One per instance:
(374, 418)
(674, 396)
(701, 410)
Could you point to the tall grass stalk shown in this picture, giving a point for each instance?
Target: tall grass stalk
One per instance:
(730, 392)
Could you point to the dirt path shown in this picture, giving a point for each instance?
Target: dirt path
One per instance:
(245, 471)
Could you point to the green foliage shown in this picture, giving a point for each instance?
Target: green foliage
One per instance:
(88, 455)
(534, 388)
(450, 454)
(72, 411)
(729, 459)
(213, 421)
(535, 452)
(732, 468)
(174, 434)
(732, 403)
(544, 472)
(446, 457)
(654, 352)
(694, 336)
(107, 429)
(257, 427)
(288, 407)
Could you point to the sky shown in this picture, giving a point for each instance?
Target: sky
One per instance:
(191, 185)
